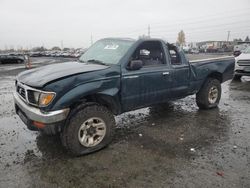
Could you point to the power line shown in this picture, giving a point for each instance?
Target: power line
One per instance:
(211, 27)
(193, 21)
(206, 19)
(204, 28)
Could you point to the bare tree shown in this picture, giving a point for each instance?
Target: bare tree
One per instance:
(56, 48)
(181, 40)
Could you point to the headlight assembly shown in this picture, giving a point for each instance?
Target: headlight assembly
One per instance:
(40, 98)
(36, 96)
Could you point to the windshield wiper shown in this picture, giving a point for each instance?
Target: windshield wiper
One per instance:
(96, 61)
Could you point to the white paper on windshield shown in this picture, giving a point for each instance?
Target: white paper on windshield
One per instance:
(111, 47)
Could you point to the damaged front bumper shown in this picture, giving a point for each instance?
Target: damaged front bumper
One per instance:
(35, 119)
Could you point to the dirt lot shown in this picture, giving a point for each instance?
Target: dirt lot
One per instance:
(175, 145)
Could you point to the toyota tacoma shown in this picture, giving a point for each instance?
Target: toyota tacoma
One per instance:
(79, 99)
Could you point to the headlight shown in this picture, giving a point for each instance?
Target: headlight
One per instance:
(36, 96)
(45, 99)
(40, 98)
(33, 97)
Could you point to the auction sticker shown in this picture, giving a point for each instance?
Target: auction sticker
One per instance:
(111, 47)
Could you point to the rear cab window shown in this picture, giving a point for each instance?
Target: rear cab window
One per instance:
(177, 58)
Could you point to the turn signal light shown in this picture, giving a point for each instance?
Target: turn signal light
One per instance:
(46, 98)
(39, 125)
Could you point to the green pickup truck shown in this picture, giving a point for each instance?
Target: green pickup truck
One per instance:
(79, 99)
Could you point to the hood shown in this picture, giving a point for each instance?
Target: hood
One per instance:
(243, 56)
(38, 77)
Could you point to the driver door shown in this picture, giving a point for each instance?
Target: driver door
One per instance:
(149, 85)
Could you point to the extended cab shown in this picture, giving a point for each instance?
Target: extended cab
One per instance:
(79, 99)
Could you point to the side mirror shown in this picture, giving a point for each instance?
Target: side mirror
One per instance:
(135, 65)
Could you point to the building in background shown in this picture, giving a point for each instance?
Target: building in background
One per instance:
(215, 46)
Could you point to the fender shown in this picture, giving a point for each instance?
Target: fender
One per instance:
(103, 89)
(109, 98)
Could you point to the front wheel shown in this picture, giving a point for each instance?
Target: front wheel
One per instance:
(209, 94)
(89, 128)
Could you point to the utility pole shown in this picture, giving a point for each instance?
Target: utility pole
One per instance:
(148, 31)
(228, 35)
(91, 39)
(61, 44)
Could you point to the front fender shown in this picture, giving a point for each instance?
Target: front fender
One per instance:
(107, 87)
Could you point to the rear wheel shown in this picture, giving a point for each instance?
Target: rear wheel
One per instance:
(89, 128)
(209, 94)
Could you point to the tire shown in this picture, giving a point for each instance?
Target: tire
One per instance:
(80, 134)
(237, 77)
(209, 95)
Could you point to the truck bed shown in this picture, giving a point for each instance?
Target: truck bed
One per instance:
(212, 59)
(221, 68)
(221, 65)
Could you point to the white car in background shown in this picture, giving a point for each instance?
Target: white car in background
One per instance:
(242, 64)
(194, 51)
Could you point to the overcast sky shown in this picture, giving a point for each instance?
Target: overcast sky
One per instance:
(31, 23)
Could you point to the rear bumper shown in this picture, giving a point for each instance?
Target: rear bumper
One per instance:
(30, 114)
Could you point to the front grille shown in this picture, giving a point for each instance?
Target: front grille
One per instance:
(28, 94)
(244, 62)
(21, 91)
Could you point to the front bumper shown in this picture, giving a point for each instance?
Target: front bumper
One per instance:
(242, 68)
(30, 114)
(243, 71)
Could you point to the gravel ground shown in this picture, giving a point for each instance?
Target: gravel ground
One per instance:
(172, 145)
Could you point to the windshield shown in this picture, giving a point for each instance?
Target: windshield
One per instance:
(247, 50)
(106, 51)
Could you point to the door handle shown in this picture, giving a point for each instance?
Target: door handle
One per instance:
(130, 77)
(165, 73)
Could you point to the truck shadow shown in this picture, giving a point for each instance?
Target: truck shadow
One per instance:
(51, 146)
(239, 90)
(164, 138)
(173, 130)
(242, 84)
(170, 129)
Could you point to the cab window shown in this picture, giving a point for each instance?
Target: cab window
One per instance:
(150, 53)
